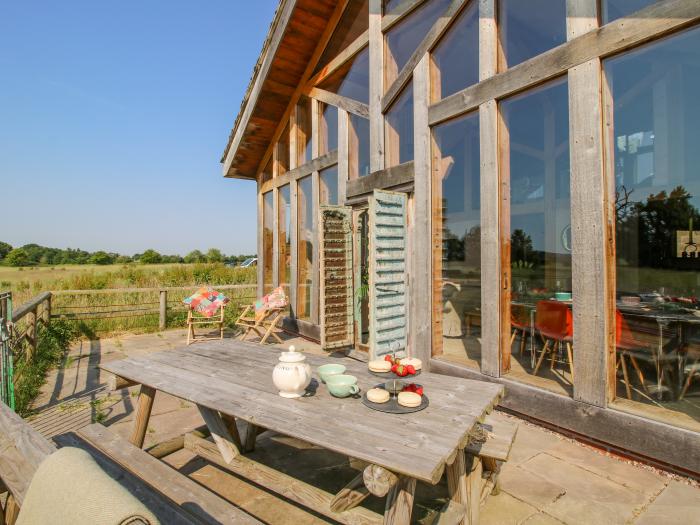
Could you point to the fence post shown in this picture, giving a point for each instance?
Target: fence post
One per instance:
(32, 333)
(163, 309)
(47, 309)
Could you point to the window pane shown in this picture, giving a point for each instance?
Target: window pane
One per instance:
(284, 237)
(358, 147)
(399, 129)
(352, 80)
(268, 226)
(267, 171)
(456, 58)
(614, 9)
(329, 185)
(283, 152)
(305, 213)
(328, 129)
(304, 131)
(390, 5)
(540, 237)
(353, 22)
(457, 188)
(530, 28)
(657, 182)
(403, 39)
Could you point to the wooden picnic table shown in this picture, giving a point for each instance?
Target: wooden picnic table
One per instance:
(233, 379)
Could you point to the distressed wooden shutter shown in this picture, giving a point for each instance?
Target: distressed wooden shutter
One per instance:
(335, 248)
(388, 323)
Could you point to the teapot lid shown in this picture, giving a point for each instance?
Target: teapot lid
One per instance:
(292, 356)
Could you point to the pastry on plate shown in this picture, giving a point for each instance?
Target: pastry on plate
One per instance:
(409, 399)
(377, 395)
(379, 365)
(413, 361)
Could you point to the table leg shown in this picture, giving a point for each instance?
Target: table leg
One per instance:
(251, 433)
(143, 414)
(464, 485)
(220, 432)
(399, 502)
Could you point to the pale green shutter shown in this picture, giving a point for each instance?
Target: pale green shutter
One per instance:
(335, 263)
(388, 323)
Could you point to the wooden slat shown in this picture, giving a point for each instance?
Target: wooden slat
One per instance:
(190, 496)
(380, 180)
(654, 21)
(499, 440)
(287, 486)
(348, 104)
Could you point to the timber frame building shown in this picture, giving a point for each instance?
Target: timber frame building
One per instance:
(507, 190)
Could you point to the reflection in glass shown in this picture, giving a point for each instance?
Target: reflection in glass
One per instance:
(456, 58)
(403, 39)
(268, 226)
(457, 187)
(390, 5)
(540, 236)
(530, 28)
(304, 142)
(329, 185)
(657, 202)
(284, 237)
(351, 80)
(283, 152)
(267, 171)
(614, 9)
(353, 22)
(358, 147)
(399, 129)
(328, 129)
(305, 213)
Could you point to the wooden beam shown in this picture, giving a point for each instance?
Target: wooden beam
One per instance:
(114, 382)
(378, 480)
(143, 415)
(351, 495)
(383, 179)
(400, 12)
(376, 86)
(340, 60)
(343, 153)
(652, 22)
(294, 239)
(317, 164)
(172, 445)
(275, 236)
(399, 502)
(438, 29)
(221, 433)
(261, 245)
(348, 104)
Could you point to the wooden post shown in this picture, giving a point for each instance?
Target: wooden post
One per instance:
(143, 414)
(376, 86)
(11, 510)
(48, 309)
(399, 502)
(31, 333)
(163, 320)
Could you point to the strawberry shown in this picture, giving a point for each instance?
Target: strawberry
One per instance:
(419, 390)
(411, 369)
(388, 358)
(401, 371)
(394, 367)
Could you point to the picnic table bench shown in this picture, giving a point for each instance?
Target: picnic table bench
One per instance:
(230, 380)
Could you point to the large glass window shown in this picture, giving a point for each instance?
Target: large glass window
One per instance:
(657, 202)
(403, 39)
(456, 58)
(358, 147)
(614, 9)
(328, 129)
(539, 216)
(329, 185)
(268, 240)
(456, 187)
(304, 138)
(351, 80)
(284, 237)
(283, 152)
(266, 172)
(352, 24)
(399, 129)
(305, 214)
(530, 28)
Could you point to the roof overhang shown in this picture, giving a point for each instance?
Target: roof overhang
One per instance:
(290, 44)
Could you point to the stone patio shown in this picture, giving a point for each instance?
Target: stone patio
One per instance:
(550, 479)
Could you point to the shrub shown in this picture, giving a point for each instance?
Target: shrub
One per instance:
(150, 257)
(18, 257)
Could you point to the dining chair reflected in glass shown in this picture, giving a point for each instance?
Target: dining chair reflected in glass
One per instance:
(555, 323)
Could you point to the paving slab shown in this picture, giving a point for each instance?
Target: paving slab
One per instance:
(529, 487)
(506, 510)
(678, 504)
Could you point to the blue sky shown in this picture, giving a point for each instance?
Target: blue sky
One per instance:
(113, 118)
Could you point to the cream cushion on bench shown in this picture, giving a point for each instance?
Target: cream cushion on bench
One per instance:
(69, 488)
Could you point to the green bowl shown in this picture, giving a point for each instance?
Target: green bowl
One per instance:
(342, 385)
(562, 296)
(325, 371)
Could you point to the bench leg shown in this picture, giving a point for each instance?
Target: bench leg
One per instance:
(464, 485)
(11, 510)
(399, 502)
(143, 414)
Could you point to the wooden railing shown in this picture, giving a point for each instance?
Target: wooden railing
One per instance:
(26, 319)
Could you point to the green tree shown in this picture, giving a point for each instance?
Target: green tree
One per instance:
(18, 257)
(4, 250)
(101, 258)
(214, 255)
(195, 256)
(150, 257)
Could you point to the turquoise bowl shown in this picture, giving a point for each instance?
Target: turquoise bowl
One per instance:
(325, 371)
(562, 296)
(342, 385)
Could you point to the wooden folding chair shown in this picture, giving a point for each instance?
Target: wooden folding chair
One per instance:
(200, 319)
(267, 322)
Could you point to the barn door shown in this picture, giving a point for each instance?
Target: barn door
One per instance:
(388, 319)
(335, 249)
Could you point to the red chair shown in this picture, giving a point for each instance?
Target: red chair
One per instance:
(627, 346)
(555, 322)
(520, 322)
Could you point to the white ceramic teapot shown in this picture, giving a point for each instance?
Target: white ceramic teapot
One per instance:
(292, 374)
